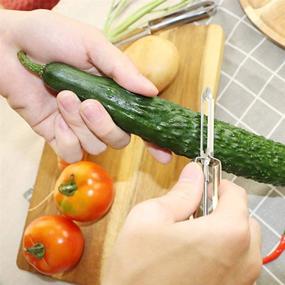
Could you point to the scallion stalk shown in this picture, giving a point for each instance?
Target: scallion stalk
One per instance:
(138, 14)
(171, 9)
(115, 10)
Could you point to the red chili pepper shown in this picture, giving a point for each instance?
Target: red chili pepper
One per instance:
(277, 252)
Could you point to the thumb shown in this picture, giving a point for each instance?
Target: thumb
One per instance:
(115, 64)
(184, 198)
(177, 205)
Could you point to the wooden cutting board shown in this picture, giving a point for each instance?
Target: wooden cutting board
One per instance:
(268, 16)
(136, 174)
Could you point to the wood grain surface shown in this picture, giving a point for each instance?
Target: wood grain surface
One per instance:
(268, 16)
(136, 174)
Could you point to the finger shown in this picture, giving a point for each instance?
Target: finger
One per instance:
(233, 202)
(162, 155)
(176, 205)
(69, 106)
(101, 124)
(184, 198)
(255, 234)
(93, 70)
(66, 143)
(112, 62)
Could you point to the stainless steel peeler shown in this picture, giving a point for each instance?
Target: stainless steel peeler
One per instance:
(191, 13)
(212, 167)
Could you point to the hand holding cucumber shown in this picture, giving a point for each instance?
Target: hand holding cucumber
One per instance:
(68, 125)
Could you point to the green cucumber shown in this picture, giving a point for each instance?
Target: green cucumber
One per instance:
(169, 125)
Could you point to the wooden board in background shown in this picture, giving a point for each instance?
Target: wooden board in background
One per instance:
(136, 174)
(268, 16)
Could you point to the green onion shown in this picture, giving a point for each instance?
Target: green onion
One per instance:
(115, 10)
(123, 28)
(171, 9)
(109, 20)
(138, 14)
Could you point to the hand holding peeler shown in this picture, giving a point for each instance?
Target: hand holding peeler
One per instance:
(212, 167)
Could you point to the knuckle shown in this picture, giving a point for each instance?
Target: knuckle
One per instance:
(14, 104)
(100, 149)
(116, 70)
(75, 122)
(96, 149)
(70, 158)
(241, 234)
(181, 191)
(123, 141)
(160, 204)
(228, 184)
(120, 65)
(106, 131)
(71, 142)
(237, 236)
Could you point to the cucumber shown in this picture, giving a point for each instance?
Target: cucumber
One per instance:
(169, 125)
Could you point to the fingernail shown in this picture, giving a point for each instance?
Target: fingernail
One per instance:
(152, 90)
(91, 110)
(68, 101)
(101, 149)
(161, 155)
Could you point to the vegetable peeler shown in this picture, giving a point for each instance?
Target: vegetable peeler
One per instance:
(212, 167)
(190, 13)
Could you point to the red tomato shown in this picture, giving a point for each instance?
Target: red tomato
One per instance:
(28, 5)
(52, 244)
(84, 191)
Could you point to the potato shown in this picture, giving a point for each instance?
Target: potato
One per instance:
(156, 58)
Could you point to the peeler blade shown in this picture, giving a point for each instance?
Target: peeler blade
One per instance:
(211, 166)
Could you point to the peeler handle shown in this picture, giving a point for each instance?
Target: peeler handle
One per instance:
(212, 170)
(192, 13)
(216, 180)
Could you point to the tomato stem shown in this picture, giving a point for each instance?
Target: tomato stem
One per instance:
(69, 187)
(37, 250)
